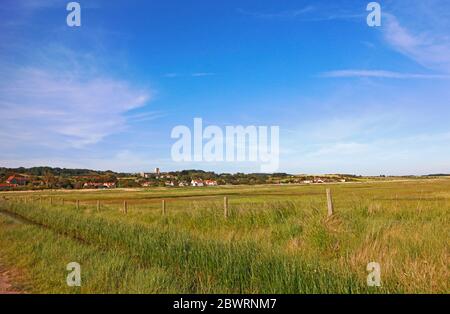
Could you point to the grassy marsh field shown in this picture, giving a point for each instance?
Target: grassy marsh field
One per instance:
(277, 239)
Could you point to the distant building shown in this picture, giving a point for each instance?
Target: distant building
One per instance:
(183, 183)
(210, 182)
(17, 180)
(145, 175)
(157, 172)
(99, 185)
(6, 186)
(197, 183)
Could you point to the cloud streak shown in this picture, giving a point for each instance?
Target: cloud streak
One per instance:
(351, 73)
(306, 14)
(284, 14)
(194, 74)
(430, 49)
(43, 107)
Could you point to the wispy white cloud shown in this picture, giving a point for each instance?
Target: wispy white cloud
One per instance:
(144, 116)
(199, 74)
(431, 49)
(381, 74)
(284, 14)
(40, 106)
(306, 14)
(194, 74)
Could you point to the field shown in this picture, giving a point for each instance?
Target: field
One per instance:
(276, 239)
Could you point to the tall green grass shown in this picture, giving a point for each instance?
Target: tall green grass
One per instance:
(267, 245)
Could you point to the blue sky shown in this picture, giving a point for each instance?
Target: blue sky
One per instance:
(348, 98)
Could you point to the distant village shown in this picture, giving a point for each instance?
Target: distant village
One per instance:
(39, 178)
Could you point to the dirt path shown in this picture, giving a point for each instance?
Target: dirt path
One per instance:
(7, 278)
(6, 286)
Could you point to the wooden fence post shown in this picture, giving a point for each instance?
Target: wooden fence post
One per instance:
(62, 202)
(125, 207)
(163, 204)
(98, 206)
(225, 207)
(51, 201)
(329, 203)
(78, 204)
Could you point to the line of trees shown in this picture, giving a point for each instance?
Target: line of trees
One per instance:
(41, 171)
(55, 178)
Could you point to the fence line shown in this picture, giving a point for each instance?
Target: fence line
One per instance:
(329, 203)
(124, 208)
(225, 207)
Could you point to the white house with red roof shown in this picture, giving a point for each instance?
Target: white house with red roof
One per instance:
(210, 182)
(17, 180)
(197, 183)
